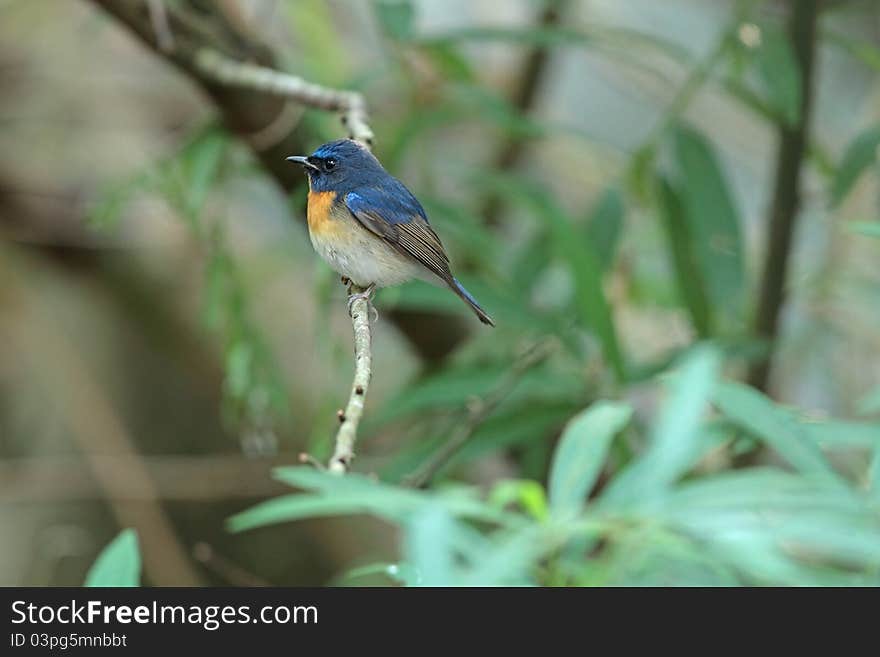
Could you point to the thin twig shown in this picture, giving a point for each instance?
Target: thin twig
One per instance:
(792, 148)
(349, 104)
(479, 411)
(349, 419)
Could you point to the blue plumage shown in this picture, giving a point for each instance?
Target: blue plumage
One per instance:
(396, 206)
(391, 241)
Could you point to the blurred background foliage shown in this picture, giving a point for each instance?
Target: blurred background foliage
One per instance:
(605, 176)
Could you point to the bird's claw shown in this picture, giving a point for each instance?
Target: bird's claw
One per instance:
(366, 295)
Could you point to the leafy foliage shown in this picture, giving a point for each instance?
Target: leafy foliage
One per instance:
(119, 564)
(660, 519)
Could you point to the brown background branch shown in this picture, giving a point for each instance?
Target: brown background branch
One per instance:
(793, 140)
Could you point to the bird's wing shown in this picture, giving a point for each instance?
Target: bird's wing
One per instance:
(397, 217)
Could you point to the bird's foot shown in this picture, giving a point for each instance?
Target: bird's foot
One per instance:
(367, 295)
(346, 281)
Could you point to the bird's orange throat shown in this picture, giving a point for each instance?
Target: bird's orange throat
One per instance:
(320, 211)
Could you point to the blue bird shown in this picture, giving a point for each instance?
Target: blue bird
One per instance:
(369, 227)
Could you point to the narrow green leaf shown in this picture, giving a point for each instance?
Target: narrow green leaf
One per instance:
(581, 454)
(289, 508)
(688, 274)
(836, 433)
(776, 426)
(401, 573)
(527, 493)
(356, 494)
(606, 225)
(203, 159)
(428, 546)
(509, 560)
(119, 564)
(675, 444)
(592, 305)
(779, 73)
(859, 155)
(713, 221)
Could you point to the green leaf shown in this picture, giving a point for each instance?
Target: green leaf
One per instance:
(202, 161)
(592, 305)
(688, 274)
(581, 454)
(396, 17)
(289, 508)
(119, 564)
(509, 559)
(713, 222)
(779, 74)
(757, 414)
(675, 444)
(776, 526)
(859, 155)
(606, 226)
(356, 494)
(401, 573)
(831, 434)
(527, 493)
(428, 546)
(552, 36)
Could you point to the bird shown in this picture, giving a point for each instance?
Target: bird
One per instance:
(369, 227)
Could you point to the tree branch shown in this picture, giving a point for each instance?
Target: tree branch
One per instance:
(793, 142)
(350, 104)
(349, 418)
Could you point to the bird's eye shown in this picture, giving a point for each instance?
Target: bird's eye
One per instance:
(329, 164)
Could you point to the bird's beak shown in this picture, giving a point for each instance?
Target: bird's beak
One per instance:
(302, 160)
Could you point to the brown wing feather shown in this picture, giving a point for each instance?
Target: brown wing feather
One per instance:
(415, 239)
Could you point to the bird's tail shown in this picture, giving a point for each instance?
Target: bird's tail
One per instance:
(458, 288)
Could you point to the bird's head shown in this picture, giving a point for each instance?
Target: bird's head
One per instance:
(339, 166)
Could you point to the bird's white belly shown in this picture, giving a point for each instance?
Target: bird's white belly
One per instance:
(363, 257)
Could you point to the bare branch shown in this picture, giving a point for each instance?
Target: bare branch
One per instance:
(349, 419)
(792, 149)
(349, 104)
